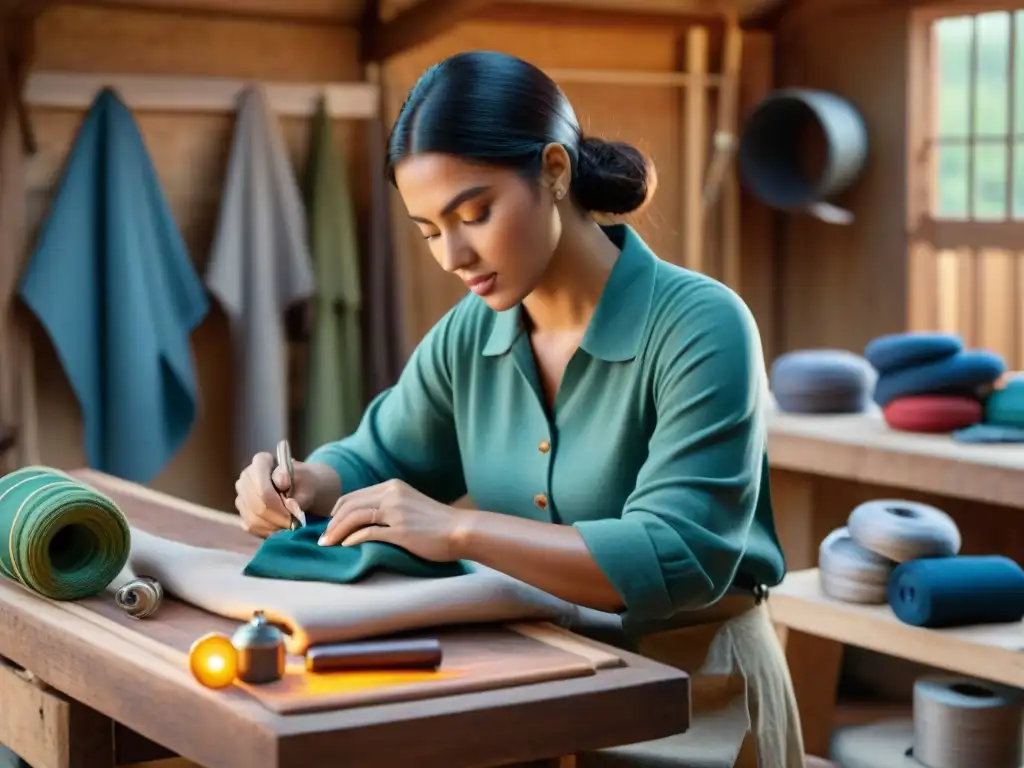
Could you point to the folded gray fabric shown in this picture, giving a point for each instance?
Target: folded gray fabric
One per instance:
(316, 612)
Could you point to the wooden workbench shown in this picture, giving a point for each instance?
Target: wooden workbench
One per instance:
(86, 696)
(823, 466)
(814, 628)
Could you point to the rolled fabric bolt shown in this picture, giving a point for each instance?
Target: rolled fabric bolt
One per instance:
(851, 573)
(904, 530)
(957, 591)
(964, 723)
(66, 540)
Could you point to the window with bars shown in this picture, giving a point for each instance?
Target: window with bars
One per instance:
(979, 119)
(966, 178)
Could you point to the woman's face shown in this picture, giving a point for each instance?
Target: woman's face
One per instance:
(486, 225)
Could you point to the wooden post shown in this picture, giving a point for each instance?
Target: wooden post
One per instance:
(694, 122)
(728, 106)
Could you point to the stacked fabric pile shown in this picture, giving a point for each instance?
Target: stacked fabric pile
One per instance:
(928, 382)
(907, 554)
(821, 381)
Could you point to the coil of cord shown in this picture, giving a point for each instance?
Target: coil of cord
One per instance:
(904, 530)
(851, 573)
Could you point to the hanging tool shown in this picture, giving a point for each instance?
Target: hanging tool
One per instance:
(284, 459)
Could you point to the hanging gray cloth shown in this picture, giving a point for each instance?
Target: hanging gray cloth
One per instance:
(259, 268)
(385, 349)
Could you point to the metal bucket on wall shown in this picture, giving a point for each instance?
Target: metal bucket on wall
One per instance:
(801, 147)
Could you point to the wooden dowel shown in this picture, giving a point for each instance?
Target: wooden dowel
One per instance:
(631, 77)
(73, 90)
(729, 119)
(694, 110)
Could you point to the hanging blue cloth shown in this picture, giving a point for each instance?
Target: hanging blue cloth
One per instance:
(113, 285)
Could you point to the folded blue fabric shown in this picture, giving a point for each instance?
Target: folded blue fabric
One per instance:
(113, 285)
(1005, 406)
(965, 370)
(896, 351)
(821, 381)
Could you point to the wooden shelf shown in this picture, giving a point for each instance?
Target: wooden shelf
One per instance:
(863, 448)
(990, 652)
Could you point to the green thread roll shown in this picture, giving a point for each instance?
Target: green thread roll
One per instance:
(59, 537)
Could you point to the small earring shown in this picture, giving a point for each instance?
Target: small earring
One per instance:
(558, 194)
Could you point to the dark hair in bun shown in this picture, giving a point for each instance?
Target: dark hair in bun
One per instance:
(497, 109)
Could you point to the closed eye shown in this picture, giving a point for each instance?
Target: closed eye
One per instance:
(483, 218)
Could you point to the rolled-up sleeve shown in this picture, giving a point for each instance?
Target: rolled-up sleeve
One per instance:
(408, 431)
(685, 526)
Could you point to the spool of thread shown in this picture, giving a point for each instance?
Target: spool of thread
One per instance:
(957, 591)
(62, 539)
(904, 530)
(140, 598)
(850, 573)
(964, 723)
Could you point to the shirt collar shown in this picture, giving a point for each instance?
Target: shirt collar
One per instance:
(619, 322)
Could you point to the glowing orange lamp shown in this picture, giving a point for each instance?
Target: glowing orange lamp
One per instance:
(213, 660)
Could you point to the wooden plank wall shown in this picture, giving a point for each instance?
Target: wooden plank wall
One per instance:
(190, 155)
(646, 115)
(843, 285)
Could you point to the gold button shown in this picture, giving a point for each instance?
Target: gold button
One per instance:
(544, 446)
(541, 500)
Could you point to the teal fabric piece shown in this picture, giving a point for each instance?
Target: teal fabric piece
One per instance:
(655, 449)
(296, 556)
(1005, 406)
(113, 285)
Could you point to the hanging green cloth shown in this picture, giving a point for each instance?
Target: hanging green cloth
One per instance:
(334, 401)
(296, 555)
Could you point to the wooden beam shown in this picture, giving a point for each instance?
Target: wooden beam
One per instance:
(164, 93)
(415, 26)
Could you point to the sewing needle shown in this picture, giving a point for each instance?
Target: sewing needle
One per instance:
(284, 459)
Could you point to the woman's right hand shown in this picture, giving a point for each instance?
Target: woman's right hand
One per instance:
(259, 502)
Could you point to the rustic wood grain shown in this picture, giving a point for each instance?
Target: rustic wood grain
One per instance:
(157, 698)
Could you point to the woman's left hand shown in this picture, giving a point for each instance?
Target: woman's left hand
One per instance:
(396, 513)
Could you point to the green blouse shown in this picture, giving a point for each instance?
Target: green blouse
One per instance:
(655, 450)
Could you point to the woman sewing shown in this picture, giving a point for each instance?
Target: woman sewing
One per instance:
(605, 410)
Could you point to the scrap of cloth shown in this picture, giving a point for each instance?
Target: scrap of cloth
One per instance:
(315, 612)
(113, 284)
(296, 555)
(334, 398)
(260, 266)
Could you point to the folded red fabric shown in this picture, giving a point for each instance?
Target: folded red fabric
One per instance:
(932, 413)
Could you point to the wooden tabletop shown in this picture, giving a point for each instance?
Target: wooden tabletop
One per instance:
(149, 694)
(863, 448)
(989, 651)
